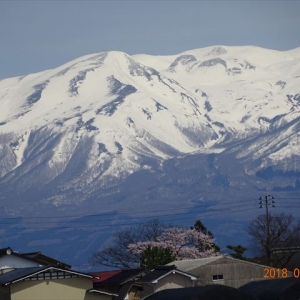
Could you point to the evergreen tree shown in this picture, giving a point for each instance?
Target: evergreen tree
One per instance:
(199, 226)
(238, 251)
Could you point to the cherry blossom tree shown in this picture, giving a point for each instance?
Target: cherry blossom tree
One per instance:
(182, 243)
(154, 243)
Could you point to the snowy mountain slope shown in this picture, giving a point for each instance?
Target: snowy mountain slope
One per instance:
(97, 119)
(107, 111)
(253, 82)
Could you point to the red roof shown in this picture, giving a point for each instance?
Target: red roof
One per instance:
(104, 275)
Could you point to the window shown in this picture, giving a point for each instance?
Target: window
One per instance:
(218, 277)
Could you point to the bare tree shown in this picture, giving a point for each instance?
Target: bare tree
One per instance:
(117, 255)
(272, 232)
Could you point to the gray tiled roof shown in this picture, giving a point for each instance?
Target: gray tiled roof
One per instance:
(191, 264)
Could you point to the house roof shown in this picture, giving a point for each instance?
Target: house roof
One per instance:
(122, 277)
(45, 260)
(10, 251)
(162, 271)
(208, 292)
(19, 273)
(189, 265)
(274, 289)
(24, 273)
(101, 276)
(36, 257)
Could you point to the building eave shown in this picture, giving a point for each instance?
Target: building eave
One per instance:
(101, 292)
(47, 268)
(173, 272)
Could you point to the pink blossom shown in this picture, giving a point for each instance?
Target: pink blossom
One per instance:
(183, 243)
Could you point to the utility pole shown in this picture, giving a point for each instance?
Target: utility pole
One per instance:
(267, 200)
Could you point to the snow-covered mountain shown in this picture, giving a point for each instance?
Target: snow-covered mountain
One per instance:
(98, 133)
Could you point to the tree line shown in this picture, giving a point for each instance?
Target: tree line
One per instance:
(154, 243)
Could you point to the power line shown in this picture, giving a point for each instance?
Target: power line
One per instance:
(296, 198)
(288, 206)
(71, 224)
(150, 216)
(287, 202)
(124, 212)
(123, 224)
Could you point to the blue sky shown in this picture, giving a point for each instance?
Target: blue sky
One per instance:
(39, 35)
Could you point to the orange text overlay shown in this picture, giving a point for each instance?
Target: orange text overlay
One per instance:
(280, 273)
